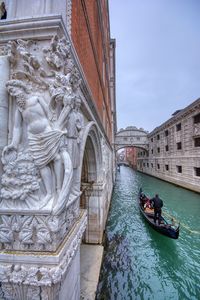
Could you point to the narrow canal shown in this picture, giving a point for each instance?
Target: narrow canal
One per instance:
(139, 263)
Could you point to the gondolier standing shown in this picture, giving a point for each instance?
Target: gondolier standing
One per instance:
(157, 204)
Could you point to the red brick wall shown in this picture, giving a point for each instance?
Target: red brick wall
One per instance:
(92, 46)
(131, 156)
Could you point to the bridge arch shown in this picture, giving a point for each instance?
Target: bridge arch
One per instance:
(131, 136)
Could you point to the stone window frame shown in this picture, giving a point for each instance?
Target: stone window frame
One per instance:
(178, 126)
(197, 171)
(166, 132)
(167, 167)
(179, 169)
(179, 146)
(158, 149)
(196, 119)
(166, 148)
(158, 166)
(198, 142)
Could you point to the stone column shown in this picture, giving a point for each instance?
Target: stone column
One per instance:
(4, 76)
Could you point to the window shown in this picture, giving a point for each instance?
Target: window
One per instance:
(178, 127)
(158, 149)
(143, 164)
(158, 136)
(179, 169)
(179, 145)
(197, 172)
(152, 151)
(138, 138)
(167, 167)
(197, 119)
(166, 132)
(166, 148)
(3, 11)
(152, 140)
(147, 165)
(152, 165)
(158, 166)
(197, 142)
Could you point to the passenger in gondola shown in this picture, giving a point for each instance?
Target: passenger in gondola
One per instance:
(157, 204)
(143, 199)
(147, 203)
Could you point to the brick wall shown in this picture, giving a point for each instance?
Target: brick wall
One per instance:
(91, 38)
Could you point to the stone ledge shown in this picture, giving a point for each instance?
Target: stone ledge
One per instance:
(91, 258)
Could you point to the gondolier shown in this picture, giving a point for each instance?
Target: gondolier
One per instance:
(164, 227)
(157, 204)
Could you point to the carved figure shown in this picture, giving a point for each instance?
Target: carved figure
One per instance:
(74, 126)
(44, 141)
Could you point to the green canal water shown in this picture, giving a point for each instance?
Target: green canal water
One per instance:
(141, 264)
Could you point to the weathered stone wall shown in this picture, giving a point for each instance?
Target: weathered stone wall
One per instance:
(165, 160)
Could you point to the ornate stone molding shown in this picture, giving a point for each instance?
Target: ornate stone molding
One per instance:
(37, 232)
(69, 16)
(46, 271)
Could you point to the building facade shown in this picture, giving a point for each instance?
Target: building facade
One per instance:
(57, 128)
(174, 149)
(131, 156)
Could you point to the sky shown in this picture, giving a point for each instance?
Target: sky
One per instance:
(157, 59)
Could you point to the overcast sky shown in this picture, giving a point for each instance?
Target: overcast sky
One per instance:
(157, 58)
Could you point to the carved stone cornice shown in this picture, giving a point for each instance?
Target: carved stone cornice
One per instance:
(37, 232)
(29, 28)
(42, 269)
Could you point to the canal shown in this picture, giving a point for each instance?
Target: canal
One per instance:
(141, 264)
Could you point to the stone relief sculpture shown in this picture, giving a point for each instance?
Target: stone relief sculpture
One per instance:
(40, 161)
(74, 128)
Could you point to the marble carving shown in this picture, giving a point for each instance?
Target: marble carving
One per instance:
(43, 154)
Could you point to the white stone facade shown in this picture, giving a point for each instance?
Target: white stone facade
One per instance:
(174, 149)
(131, 136)
(49, 135)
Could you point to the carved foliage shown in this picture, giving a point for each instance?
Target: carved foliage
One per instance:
(20, 232)
(24, 280)
(20, 177)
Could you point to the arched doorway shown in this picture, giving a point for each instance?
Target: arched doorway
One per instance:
(91, 185)
(89, 168)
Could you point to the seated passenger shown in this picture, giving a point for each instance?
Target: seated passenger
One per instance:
(142, 199)
(147, 203)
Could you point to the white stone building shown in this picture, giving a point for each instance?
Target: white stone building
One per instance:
(57, 169)
(174, 149)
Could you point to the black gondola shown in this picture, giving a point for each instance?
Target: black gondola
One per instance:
(164, 228)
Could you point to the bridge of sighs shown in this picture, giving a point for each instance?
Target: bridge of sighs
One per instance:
(131, 137)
